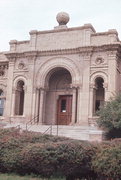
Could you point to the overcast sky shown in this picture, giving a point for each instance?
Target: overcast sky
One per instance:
(18, 17)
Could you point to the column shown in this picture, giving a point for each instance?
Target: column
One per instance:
(41, 109)
(37, 103)
(106, 92)
(79, 103)
(91, 100)
(74, 105)
(25, 101)
(13, 101)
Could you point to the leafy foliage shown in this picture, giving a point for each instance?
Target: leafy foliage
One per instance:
(107, 160)
(110, 118)
(50, 156)
(27, 153)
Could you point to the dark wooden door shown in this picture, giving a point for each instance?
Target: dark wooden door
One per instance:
(64, 110)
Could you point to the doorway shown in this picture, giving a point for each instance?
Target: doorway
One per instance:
(64, 110)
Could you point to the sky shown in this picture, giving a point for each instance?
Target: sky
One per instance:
(19, 17)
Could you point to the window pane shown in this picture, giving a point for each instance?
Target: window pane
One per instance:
(1, 106)
(1, 93)
(63, 105)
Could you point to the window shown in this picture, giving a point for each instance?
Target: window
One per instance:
(19, 98)
(99, 94)
(2, 100)
(63, 105)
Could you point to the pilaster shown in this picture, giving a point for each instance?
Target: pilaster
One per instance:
(112, 72)
(9, 104)
(84, 108)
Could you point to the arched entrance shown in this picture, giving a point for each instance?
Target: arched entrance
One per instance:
(58, 97)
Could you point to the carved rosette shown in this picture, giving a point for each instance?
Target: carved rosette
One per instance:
(99, 60)
(21, 65)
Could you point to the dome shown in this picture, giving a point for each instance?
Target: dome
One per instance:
(62, 18)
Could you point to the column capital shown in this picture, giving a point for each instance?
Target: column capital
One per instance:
(40, 88)
(105, 86)
(76, 86)
(92, 86)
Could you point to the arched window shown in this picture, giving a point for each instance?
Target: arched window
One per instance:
(99, 94)
(19, 98)
(2, 101)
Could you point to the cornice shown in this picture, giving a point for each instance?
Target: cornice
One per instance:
(79, 50)
(104, 33)
(85, 26)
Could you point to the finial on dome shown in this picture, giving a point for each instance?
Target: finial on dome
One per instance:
(62, 18)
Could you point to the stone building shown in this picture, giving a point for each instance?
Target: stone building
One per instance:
(60, 76)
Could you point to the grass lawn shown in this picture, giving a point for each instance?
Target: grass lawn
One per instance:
(16, 177)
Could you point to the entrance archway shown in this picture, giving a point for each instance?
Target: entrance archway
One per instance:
(58, 97)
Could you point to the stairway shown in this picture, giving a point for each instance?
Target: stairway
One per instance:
(74, 132)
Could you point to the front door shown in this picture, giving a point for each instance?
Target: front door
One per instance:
(64, 110)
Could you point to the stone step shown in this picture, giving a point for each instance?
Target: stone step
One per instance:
(74, 132)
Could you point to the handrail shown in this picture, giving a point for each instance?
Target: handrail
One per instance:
(50, 127)
(18, 126)
(32, 121)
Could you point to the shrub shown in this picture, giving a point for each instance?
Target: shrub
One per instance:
(64, 158)
(27, 153)
(110, 118)
(107, 160)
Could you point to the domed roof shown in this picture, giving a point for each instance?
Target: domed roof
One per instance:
(62, 18)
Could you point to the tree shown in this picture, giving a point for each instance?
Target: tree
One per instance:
(110, 117)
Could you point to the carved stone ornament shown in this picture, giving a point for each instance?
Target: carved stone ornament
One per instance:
(21, 65)
(2, 73)
(99, 60)
(92, 86)
(3, 69)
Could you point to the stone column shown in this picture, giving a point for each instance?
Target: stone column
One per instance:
(79, 103)
(91, 100)
(74, 105)
(25, 101)
(13, 101)
(106, 92)
(41, 106)
(37, 103)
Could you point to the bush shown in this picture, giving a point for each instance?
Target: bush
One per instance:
(110, 118)
(107, 160)
(65, 158)
(27, 153)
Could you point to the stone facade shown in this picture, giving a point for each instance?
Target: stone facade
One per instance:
(60, 76)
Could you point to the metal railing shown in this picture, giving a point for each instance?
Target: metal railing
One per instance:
(48, 129)
(18, 127)
(32, 122)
